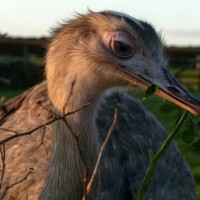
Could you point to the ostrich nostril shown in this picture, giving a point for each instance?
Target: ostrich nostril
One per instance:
(173, 90)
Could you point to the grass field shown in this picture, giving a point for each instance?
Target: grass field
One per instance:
(189, 77)
(192, 154)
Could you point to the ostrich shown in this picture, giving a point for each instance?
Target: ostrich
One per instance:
(90, 60)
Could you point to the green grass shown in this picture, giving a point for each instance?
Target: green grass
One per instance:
(10, 92)
(189, 77)
(168, 119)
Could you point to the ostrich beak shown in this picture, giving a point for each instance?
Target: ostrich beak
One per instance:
(173, 91)
(167, 87)
(184, 100)
(170, 89)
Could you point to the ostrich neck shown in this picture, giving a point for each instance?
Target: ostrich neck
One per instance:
(65, 176)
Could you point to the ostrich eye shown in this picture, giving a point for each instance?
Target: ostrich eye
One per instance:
(122, 50)
(121, 46)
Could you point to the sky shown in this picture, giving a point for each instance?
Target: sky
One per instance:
(178, 20)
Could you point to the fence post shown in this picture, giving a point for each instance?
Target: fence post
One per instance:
(198, 69)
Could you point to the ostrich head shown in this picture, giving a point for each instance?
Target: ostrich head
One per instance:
(100, 50)
(88, 56)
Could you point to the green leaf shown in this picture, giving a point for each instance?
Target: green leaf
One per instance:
(188, 135)
(190, 125)
(150, 91)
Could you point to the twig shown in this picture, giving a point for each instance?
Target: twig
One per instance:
(74, 135)
(16, 183)
(17, 134)
(153, 162)
(8, 130)
(2, 151)
(42, 141)
(89, 185)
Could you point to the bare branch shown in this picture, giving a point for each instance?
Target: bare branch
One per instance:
(17, 134)
(16, 183)
(89, 185)
(42, 141)
(2, 152)
(8, 130)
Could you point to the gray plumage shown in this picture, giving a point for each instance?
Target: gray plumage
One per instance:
(127, 154)
(83, 65)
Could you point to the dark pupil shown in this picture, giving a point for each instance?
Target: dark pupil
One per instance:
(122, 49)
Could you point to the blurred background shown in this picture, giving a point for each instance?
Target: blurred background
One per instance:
(25, 29)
